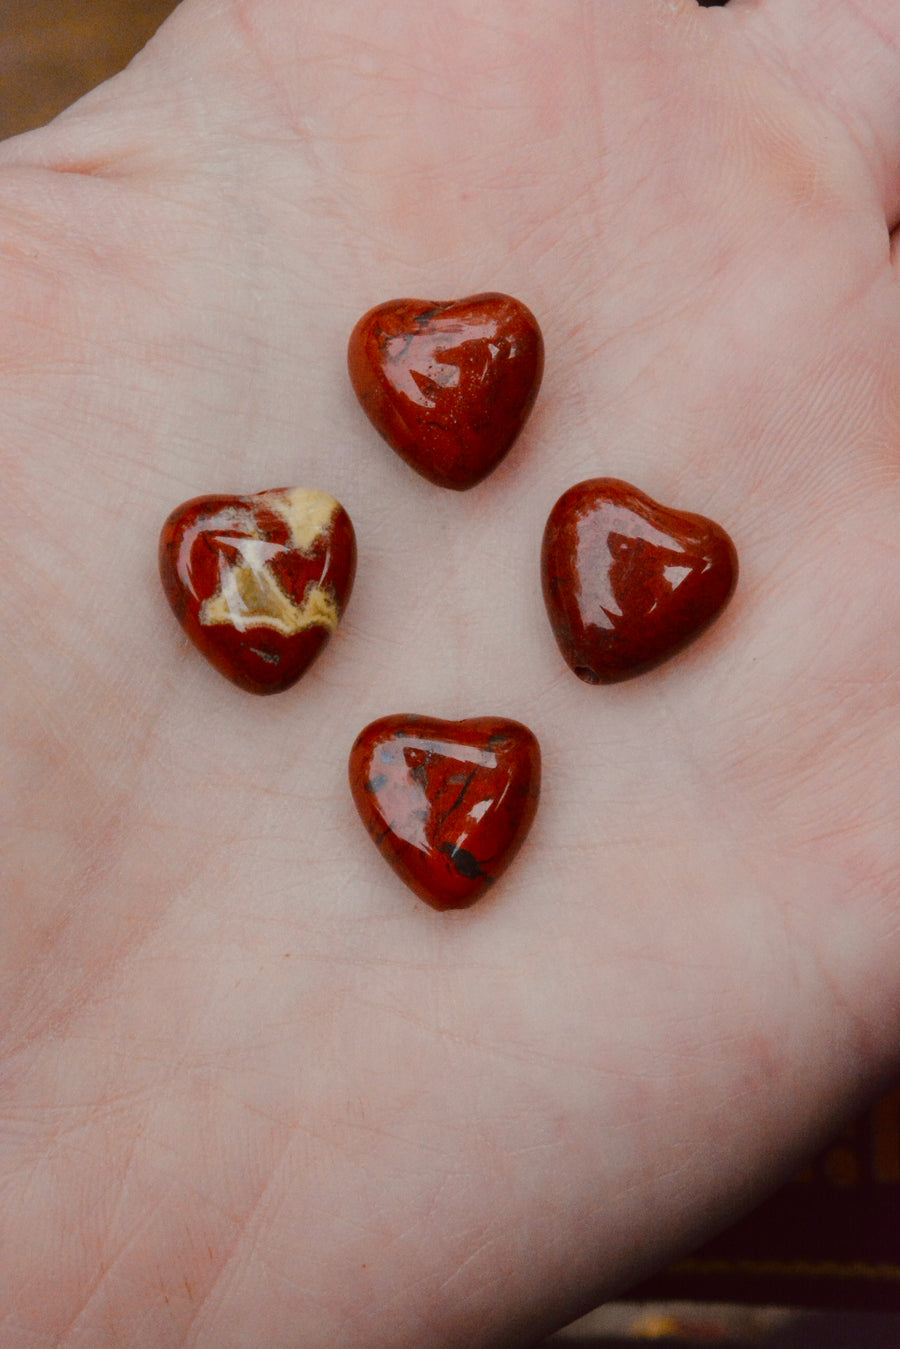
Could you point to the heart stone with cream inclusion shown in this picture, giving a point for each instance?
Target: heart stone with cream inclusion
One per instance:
(259, 583)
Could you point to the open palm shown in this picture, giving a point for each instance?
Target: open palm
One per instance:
(252, 1093)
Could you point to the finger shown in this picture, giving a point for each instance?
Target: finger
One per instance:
(844, 54)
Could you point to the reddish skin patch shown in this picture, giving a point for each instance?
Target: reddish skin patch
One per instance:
(207, 536)
(448, 803)
(627, 582)
(448, 384)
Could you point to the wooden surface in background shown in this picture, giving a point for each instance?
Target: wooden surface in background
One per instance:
(53, 51)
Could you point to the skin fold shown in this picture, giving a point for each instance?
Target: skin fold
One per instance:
(252, 1093)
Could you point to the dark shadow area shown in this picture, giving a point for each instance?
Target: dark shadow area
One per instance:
(836, 1330)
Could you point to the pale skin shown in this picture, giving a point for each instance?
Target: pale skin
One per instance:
(252, 1092)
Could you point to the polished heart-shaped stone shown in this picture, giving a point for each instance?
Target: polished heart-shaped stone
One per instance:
(627, 582)
(448, 384)
(259, 583)
(448, 803)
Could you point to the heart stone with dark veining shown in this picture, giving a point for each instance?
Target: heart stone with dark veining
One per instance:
(627, 582)
(259, 583)
(448, 384)
(448, 803)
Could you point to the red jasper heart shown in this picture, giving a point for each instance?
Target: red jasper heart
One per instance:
(448, 803)
(627, 582)
(448, 384)
(259, 583)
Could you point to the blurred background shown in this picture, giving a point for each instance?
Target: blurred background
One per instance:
(53, 51)
(831, 1240)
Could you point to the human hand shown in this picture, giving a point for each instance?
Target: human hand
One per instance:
(251, 1091)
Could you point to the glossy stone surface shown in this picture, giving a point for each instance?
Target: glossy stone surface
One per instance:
(627, 582)
(449, 384)
(448, 803)
(259, 583)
